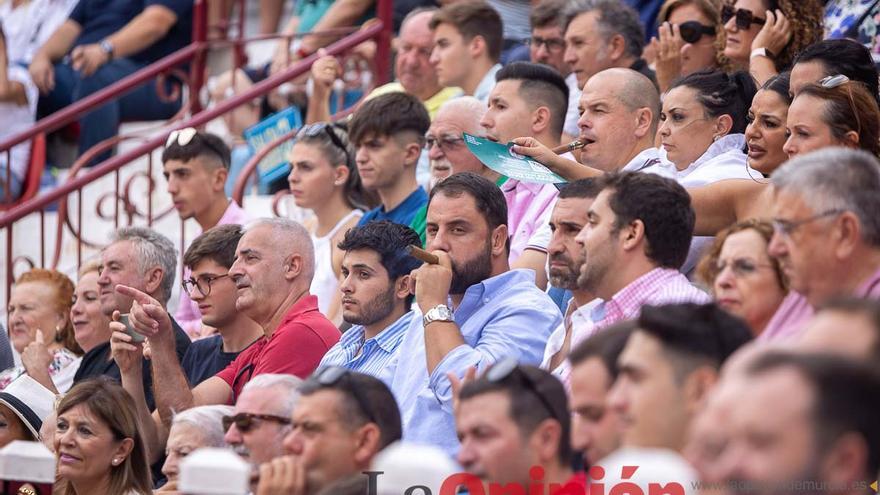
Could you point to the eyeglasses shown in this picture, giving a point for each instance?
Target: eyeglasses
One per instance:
(203, 284)
(246, 422)
(183, 137)
(315, 130)
(329, 376)
(785, 228)
(832, 82)
(741, 267)
(508, 367)
(744, 17)
(552, 44)
(692, 31)
(445, 143)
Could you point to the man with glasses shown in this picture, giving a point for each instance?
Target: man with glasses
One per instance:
(261, 417)
(208, 260)
(341, 421)
(826, 233)
(602, 34)
(547, 46)
(389, 132)
(196, 167)
(512, 422)
(474, 309)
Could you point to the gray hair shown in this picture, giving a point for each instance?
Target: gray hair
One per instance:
(290, 237)
(287, 385)
(415, 12)
(615, 17)
(153, 250)
(469, 109)
(208, 420)
(836, 178)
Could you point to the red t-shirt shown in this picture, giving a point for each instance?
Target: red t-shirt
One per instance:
(295, 348)
(576, 485)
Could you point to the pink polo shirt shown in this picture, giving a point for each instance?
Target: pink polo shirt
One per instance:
(188, 315)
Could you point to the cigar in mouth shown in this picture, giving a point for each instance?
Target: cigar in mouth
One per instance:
(421, 254)
(565, 148)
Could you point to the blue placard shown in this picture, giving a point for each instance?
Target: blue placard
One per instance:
(274, 164)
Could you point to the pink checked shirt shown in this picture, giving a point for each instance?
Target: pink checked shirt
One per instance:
(188, 316)
(528, 207)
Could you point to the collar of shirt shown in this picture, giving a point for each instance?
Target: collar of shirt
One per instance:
(478, 295)
(649, 160)
(486, 84)
(234, 214)
(304, 305)
(871, 287)
(387, 339)
(630, 298)
(730, 142)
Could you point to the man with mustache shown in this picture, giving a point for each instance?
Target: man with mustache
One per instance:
(473, 309)
(375, 295)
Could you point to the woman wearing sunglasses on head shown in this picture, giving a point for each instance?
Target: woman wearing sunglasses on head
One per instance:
(689, 38)
(765, 35)
(323, 178)
(744, 279)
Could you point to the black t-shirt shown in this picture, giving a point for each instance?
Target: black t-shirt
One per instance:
(98, 362)
(205, 358)
(101, 18)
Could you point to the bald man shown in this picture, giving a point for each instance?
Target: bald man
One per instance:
(273, 269)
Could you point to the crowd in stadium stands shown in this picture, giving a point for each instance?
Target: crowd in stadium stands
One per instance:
(695, 306)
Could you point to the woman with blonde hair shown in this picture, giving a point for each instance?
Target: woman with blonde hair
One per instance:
(41, 331)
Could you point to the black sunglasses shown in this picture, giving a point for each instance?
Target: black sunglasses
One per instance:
(508, 367)
(744, 17)
(245, 422)
(692, 31)
(329, 376)
(314, 130)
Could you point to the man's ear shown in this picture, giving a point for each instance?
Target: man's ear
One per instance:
(477, 47)
(544, 440)
(644, 121)
(616, 47)
(401, 287)
(499, 240)
(697, 387)
(844, 463)
(218, 179)
(153, 280)
(368, 440)
(541, 120)
(846, 234)
(632, 235)
(293, 266)
(413, 152)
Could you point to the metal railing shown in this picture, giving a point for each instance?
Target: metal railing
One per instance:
(123, 191)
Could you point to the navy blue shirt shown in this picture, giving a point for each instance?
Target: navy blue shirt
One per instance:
(402, 213)
(101, 18)
(205, 358)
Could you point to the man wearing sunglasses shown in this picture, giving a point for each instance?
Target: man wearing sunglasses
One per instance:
(196, 166)
(341, 421)
(473, 308)
(670, 362)
(208, 260)
(826, 233)
(511, 421)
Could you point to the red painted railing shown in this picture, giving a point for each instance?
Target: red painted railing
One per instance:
(124, 198)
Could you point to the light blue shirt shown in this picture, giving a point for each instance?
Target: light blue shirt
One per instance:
(503, 316)
(375, 353)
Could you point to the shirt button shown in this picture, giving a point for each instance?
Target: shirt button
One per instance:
(485, 300)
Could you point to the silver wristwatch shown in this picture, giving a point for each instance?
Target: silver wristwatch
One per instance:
(441, 312)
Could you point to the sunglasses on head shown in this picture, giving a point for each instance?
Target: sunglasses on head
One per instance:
(330, 376)
(692, 31)
(508, 367)
(245, 422)
(744, 17)
(315, 130)
(183, 137)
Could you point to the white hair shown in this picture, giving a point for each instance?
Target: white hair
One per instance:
(290, 237)
(466, 108)
(152, 250)
(208, 420)
(287, 387)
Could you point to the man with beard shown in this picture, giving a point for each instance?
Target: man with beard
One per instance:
(566, 257)
(473, 309)
(636, 238)
(375, 295)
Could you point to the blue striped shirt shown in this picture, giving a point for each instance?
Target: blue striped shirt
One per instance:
(375, 353)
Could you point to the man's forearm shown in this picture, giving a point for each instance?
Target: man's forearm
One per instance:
(133, 383)
(57, 46)
(441, 337)
(170, 387)
(342, 13)
(143, 31)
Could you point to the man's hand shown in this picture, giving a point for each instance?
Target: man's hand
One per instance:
(284, 475)
(127, 354)
(430, 283)
(325, 71)
(42, 73)
(87, 59)
(149, 318)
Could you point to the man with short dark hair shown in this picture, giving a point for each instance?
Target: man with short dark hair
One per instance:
(595, 427)
(389, 133)
(669, 364)
(802, 423)
(208, 260)
(467, 46)
(196, 167)
(342, 420)
(637, 236)
(511, 421)
(375, 295)
(601, 34)
(473, 308)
